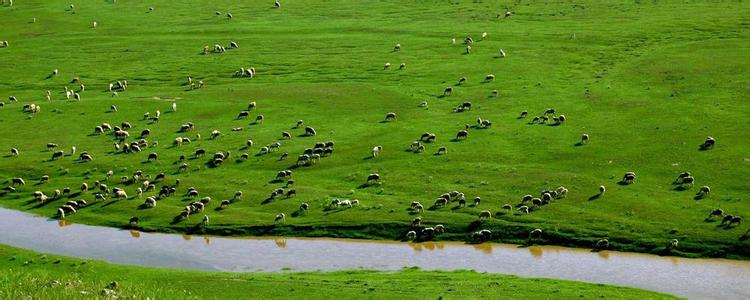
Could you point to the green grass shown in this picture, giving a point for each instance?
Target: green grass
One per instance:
(29, 274)
(660, 76)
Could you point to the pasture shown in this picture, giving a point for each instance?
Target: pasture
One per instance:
(647, 81)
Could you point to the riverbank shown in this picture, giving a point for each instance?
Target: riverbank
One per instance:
(30, 274)
(684, 277)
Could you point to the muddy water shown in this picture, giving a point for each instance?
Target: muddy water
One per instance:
(693, 278)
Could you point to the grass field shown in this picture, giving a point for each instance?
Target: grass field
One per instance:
(39, 276)
(647, 80)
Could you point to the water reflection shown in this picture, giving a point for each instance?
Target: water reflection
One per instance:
(63, 223)
(186, 237)
(603, 254)
(536, 251)
(280, 243)
(484, 248)
(207, 239)
(135, 233)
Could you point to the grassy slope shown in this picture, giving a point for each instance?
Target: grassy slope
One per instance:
(32, 274)
(659, 83)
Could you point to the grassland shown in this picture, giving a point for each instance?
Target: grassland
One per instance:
(647, 80)
(35, 275)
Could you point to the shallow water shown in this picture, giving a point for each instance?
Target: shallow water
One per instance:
(693, 278)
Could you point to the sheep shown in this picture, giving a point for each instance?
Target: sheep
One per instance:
(215, 134)
(386, 66)
(602, 244)
(57, 154)
(536, 202)
(252, 105)
(85, 157)
(440, 202)
(448, 91)
(304, 206)
(150, 202)
(259, 119)
(121, 194)
(243, 115)
(507, 206)
(44, 179)
(416, 222)
(397, 48)
(726, 219)
(703, 191)
(391, 116)
(376, 151)
(687, 181)
(374, 177)
(309, 131)
(735, 220)
(674, 243)
(347, 203)
(152, 156)
(280, 218)
(535, 234)
(716, 212)
(482, 235)
(468, 49)
(402, 66)
(205, 220)
(463, 134)
(442, 150)
(584, 138)
(708, 143)
(411, 235)
(485, 214)
(489, 77)
(524, 209)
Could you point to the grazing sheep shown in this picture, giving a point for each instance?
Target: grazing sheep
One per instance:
(205, 220)
(507, 207)
(602, 244)
(726, 219)
(463, 134)
(152, 156)
(374, 177)
(535, 234)
(416, 222)
(309, 131)
(243, 114)
(489, 77)
(442, 150)
(44, 179)
(391, 116)
(716, 212)
(704, 191)
(482, 235)
(411, 235)
(57, 154)
(687, 182)
(708, 143)
(259, 119)
(280, 218)
(120, 194)
(468, 49)
(150, 202)
(674, 243)
(397, 48)
(448, 91)
(735, 220)
(461, 80)
(602, 189)
(14, 152)
(524, 209)
(376, 151)
(386, 66)
(440, 202)
(584, 138)
(215, 134)
(485, 214)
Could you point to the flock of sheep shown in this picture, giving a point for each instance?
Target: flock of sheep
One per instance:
(141, 183)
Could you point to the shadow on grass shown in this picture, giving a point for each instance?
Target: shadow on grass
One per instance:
(594, 197)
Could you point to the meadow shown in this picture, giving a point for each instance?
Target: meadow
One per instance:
(648, 81)
(30, 274)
